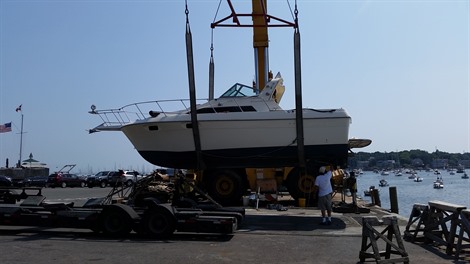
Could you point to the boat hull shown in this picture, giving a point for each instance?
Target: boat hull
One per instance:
(241, 139)
(248, 158)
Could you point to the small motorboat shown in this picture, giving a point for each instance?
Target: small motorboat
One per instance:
(438, 183)
(465, 176)
(383, 183)
(418, 179)
(369, 191)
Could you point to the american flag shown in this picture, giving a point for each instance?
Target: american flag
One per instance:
(5, 128)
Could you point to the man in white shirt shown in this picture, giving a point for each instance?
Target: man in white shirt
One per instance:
(324, 188)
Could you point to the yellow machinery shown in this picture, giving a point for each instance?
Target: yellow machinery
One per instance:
(228, 185)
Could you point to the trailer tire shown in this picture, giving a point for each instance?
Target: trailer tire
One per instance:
(63, 185)
(302, 186)
(225, 186)
(115, 221)
(158, 222)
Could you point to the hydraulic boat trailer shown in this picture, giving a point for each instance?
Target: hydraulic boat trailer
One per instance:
(150, 217)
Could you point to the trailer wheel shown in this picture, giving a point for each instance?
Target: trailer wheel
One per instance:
(301, 185)
(115, 221)
(159, 222)
(63, 185)
(103, 184)
(225, 186)
(82, 184)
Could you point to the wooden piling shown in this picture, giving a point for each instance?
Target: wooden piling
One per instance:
(376, 197)
(393, 199)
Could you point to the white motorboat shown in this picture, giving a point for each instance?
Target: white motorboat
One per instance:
(418, 179)
(369, 191)
(242, 128)
(383, 183)
(438, 183)
(384, 173)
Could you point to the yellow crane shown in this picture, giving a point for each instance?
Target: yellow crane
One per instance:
(229, 184)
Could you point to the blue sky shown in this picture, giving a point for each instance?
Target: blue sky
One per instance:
(400, 68)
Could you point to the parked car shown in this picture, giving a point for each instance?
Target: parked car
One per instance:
(170, 172)
(101, 179)
(65, 180)
(127, 177)
(35, 181)
(5, 181)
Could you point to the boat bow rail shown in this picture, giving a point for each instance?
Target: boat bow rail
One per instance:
(114, 119)
(238, 98)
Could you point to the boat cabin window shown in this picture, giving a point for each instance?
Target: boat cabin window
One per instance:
(239, 90)
(225, 109)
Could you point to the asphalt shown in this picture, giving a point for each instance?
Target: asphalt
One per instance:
(291, 234)
(341, 240)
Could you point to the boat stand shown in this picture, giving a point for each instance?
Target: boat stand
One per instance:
(369, 232)
(437, 229)
(420, 215)
(464, 233)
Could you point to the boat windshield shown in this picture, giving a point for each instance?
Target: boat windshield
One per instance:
(239, 90)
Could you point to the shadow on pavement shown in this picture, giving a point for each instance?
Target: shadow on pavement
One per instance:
(38, 233)
(289, 223)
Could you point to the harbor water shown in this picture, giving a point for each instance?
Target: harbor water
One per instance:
(456, 190)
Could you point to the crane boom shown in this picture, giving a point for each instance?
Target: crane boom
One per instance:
(260, 42)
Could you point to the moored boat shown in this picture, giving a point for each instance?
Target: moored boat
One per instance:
(383, 183)
(369, 191)
(438, 183)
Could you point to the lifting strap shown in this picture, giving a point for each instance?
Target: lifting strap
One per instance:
(211, 72)
(192, 93)
(211, 62)
(298, 97)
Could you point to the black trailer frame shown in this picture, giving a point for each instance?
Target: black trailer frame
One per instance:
(151, 218)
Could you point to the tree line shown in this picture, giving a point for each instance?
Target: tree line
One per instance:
(408, 158)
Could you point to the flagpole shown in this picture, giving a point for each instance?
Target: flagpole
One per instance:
(21, 139)
(21, 135)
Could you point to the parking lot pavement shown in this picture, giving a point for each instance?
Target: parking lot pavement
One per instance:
(266, 236)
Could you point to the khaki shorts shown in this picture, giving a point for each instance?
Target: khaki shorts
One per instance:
(324, 202)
